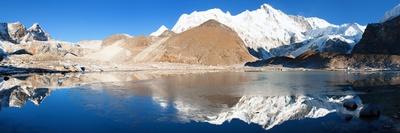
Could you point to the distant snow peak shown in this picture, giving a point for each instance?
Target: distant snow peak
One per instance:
(160, 30)
(36, 33)
(391, 14)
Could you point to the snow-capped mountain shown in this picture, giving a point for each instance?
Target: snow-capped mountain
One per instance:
(160, 30)
(391, 14)
(17, 33)
(267, 28)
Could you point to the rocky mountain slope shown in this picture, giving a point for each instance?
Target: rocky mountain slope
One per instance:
(381, 38)
(269, 32)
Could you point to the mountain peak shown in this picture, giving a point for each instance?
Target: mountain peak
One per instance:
(160, 31)
(35, 27)
(267, 7)
(211, 22)
(270, 10)
(35, 32)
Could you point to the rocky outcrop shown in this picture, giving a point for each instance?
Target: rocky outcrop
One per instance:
(380, 38)
(16, 31)
(337, 46)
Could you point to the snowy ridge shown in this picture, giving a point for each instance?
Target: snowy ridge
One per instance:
(349, 33)
(389, 15)
(160, 30)
(272, 110)
(269, 28)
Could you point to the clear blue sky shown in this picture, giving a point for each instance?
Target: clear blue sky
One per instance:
(74, 20)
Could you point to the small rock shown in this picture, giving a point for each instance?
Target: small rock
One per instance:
(350, 105)
(6, 78)
(83, 69)
(395, 116)
(370, 111)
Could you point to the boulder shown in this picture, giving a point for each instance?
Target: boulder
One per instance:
(350, 105)
(370, 112)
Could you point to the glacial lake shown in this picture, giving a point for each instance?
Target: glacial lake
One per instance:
(217, 102)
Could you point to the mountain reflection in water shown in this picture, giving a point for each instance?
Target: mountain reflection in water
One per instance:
(267, 99)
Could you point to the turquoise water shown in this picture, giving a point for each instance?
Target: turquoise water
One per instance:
(204, 102)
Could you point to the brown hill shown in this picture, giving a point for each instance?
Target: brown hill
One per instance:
(121, 48)
(211, 43)
(135, 44)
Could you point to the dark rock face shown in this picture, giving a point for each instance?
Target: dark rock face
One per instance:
(380, 38)
(281, 60)
(4, 32)
(336, 46)
(260, 53)
(316, 60)
(310, 59)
